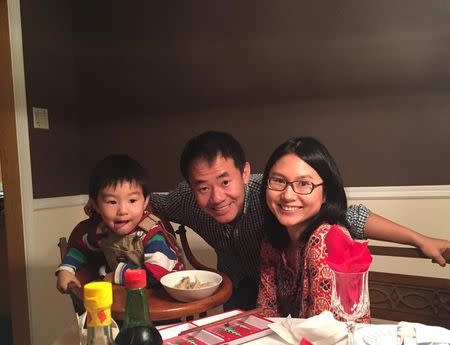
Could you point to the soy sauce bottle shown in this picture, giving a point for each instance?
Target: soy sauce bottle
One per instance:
(137, 327)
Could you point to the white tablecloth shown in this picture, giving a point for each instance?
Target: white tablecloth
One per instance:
(274, 339)
(375, 334)
(379, 334)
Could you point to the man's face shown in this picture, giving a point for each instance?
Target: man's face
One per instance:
(219, 187)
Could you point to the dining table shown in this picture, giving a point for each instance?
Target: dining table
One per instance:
(163, 307)
(379, 332)
(365, 334)
(275, 339)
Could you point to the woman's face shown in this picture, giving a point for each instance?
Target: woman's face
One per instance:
(291, 209)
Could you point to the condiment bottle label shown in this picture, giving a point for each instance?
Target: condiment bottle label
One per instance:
(98, 317)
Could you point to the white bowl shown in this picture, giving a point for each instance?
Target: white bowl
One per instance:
(187, 295)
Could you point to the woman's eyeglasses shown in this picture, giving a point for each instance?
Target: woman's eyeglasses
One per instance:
(300, 187)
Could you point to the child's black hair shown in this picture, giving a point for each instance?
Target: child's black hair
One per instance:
(114, 169)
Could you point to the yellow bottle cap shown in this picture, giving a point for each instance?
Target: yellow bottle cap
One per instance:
(98, 295)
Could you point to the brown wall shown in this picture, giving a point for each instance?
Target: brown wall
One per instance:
(50, 77)
(371, 80)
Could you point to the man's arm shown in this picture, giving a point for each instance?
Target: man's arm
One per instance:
(380, 228)
(175, 206)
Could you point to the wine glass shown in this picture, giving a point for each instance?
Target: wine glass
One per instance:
(350, 298)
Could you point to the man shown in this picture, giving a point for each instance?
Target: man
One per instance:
(221, 201)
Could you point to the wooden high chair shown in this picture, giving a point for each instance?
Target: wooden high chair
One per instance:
(161, 305)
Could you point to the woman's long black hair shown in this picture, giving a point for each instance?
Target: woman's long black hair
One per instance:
(333, 210)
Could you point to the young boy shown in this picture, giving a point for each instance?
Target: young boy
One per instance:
(126, 234)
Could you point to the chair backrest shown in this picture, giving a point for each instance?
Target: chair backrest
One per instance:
(188, 252)
(181, 232)
(74, 291)
(401, 297)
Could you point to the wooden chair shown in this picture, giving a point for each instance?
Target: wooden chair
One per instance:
(161, 306)
(181, 232)
(76, 294)
(85, 274)
(401, 297)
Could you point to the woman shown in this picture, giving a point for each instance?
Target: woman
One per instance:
(304, 196)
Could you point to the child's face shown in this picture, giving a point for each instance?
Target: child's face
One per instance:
(121, 207)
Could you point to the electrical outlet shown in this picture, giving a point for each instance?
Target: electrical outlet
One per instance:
(40, 118)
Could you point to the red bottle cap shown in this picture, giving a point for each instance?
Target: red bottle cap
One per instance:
(135, 278)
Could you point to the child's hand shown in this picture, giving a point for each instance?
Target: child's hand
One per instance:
(64, 279)
(109, 277)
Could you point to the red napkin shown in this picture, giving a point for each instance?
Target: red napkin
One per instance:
(304, 342)
(344, 254)
(347, 256)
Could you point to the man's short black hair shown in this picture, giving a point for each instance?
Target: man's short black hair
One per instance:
(209, 145)
(115, 169)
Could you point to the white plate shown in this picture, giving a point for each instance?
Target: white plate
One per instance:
(376, 335)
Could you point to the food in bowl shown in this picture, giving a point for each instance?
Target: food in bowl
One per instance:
(170, 281)
(186, 283)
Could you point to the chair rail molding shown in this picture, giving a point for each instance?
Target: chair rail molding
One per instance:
(60, 202)
(353, 193)
(398, 192)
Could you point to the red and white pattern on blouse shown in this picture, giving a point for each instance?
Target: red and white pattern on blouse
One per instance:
(315, 287)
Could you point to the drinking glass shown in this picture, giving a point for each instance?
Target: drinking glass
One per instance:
(350, 298)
